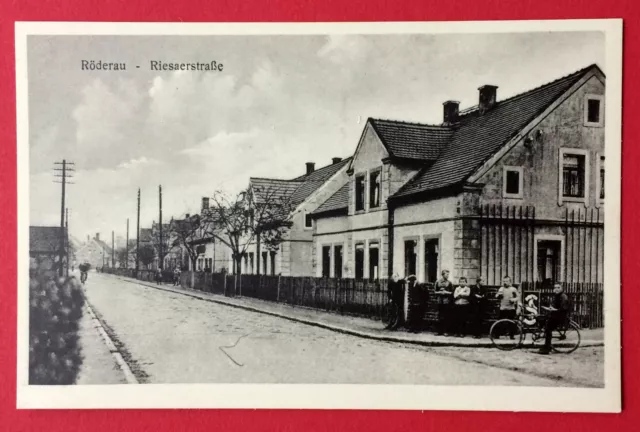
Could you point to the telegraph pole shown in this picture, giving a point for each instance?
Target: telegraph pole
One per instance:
(113, 252)
(138, 237)
(126, 248)
(63, 170)
(160, 256)
(66, 225)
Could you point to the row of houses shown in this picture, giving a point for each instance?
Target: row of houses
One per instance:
(505, 187)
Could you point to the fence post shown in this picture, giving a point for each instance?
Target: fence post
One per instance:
(278, 290)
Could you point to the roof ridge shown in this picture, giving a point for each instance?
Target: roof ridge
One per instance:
(303, 177)
(435, 126)
(574, 74)
(275, 179)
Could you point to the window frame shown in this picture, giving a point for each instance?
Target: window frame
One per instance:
(378, 172)
(520, 171)
(328, 247)
(306, 215)
(362, 175)
(600, 99)
(599, 190)
(359, 245)
(587, 165)
(373, 244)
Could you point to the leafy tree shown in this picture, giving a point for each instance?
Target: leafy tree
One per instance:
(147, 254)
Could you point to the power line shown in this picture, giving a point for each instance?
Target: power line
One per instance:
(63, 170)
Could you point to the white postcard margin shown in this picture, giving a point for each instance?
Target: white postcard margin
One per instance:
(332, 396)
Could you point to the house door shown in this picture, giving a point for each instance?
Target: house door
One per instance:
(548, 260)
(410, 257)
(431, 251)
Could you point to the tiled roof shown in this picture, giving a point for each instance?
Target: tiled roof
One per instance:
(478, 136)
(412, 140)
(298, 189)
(337, 201)
(273, 189)
(44, 239)
(316, 179)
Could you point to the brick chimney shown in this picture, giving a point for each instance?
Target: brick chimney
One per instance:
(487, 97)
(451, 109)
(311, 166)
(187, 216)
(205, 203)
(335, 160)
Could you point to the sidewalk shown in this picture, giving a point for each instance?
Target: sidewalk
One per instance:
(356, 326)
(98, 365)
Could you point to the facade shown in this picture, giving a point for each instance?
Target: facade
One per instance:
(302, 195)
(95, 252)
(512, 187)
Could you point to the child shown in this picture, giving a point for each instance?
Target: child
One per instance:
(509, 301)
(461, 300)
(444, 291)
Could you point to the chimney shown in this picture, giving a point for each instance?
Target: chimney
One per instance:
(88, 238)
(487, 97)
(311, 166)
(335, 160)
(451, 109)
(187, 216)
(98, 236)
(205, 203)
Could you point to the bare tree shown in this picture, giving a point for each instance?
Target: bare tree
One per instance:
(161, 244)
(260, 216)
(121, 256)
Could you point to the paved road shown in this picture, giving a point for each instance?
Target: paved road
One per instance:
(177, 339)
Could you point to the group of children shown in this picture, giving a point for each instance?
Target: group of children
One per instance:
(465, 305)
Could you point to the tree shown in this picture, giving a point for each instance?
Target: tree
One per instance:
(161, 245)
(121, 256)
(261, 214)
(147, 254)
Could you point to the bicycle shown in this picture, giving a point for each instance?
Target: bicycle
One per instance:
(392, 311)
(507, 334)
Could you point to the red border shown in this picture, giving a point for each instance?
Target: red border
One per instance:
(310, 10)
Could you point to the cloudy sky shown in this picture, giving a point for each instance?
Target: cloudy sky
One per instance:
(280, 101)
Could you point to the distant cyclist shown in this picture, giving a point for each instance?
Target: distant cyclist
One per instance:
(84, 271)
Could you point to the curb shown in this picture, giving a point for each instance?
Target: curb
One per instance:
(124, 367)
(331, 327)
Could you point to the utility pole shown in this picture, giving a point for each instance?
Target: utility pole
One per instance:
(113, 256)
(160, 256)
(66, 225)
(138, 237)
(126, 247)
(63, 170)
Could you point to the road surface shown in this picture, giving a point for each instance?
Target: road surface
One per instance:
(172, 338)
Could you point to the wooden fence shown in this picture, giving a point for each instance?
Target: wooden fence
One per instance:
(368, 298)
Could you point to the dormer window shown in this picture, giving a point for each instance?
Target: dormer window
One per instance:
(360, 197)
(594, 110)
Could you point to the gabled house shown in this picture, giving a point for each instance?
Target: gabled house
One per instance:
(293, 256)
(506, 187)
(95, 252)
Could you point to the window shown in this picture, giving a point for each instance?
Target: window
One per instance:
(264, 262)
(326, 261)
(431, 251)
(512, 182)
(374, 261)
(573, 175)
(273, 262)
(250, 268)
(410, 257)
(374, 189)
(601, 179)
(593, 110)
(337, 261)
(308, 221)
(359, 261)
(360, 192)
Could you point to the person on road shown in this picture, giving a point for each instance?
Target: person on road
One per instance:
(461, 307)
(444, 291)
(176, 276)
(509, 301)
(478, 305)
(158, 275)
(558, 315)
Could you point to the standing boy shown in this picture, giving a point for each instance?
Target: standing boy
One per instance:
(558, 315)
(478, 301)
(461, 306)
(509, 300)
(444, 291)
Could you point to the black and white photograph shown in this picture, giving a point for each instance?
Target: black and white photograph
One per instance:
(355, 215)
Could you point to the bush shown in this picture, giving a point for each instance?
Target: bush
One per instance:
(56, 306)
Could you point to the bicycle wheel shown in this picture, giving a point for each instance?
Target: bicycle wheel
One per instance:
(390, 316)
(566, 340)
(506, 334)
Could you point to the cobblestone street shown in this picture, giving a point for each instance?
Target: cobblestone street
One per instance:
(172, 338)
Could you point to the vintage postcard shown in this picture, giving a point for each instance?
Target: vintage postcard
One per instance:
(318, 215)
